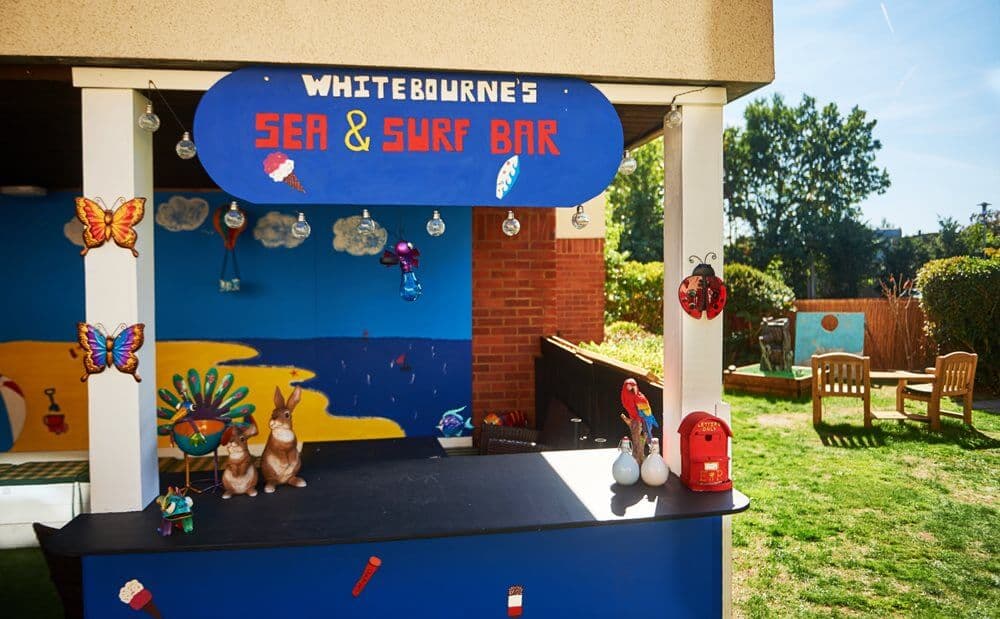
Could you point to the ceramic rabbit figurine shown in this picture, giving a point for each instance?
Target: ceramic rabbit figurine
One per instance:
(240, 475)
(280, 462)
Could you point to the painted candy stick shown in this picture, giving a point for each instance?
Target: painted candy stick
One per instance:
(373, 565)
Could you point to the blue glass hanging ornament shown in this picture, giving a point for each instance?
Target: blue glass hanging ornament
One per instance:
(406, 256)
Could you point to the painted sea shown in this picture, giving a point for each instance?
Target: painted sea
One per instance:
(411, 381)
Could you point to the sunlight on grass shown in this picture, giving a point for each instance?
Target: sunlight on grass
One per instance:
(893, 521)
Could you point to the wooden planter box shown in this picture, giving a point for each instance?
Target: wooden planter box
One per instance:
(749, 380)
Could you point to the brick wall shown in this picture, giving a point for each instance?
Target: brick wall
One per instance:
(523, 288)
(580, 289)
(513, 305)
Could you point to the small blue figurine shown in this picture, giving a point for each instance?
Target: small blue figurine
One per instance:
(406, 256)
(175, 508)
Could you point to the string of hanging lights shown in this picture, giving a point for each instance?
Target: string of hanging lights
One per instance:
(674, 118)
(149, 121)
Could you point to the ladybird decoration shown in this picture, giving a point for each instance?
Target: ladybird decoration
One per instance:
(703, 291)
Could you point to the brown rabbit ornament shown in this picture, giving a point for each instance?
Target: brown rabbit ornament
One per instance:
(240, 475)
(280, 462)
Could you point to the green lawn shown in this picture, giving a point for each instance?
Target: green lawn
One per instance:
(894, 521)
(25, 590)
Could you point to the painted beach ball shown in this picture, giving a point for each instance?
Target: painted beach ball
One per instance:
(12, 411)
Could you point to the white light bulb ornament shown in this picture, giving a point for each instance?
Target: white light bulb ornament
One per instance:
(435, 225)
(625, 470)
(185, 147)
(234, 217)
(580, 219)
(148, 120)
(628, 164)
(301, 228)
(674, 117)
(654, 469)
(511, 226)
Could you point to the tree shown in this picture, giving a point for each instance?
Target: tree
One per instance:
(635, 204)
(794, 177)
(903, 257)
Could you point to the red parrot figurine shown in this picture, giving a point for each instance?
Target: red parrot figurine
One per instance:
(637, 406)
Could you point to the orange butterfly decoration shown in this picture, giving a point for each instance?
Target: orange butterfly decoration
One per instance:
(101, 225)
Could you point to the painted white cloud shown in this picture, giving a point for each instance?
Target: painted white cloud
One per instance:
(73, 230)
(180, 214)
(347, 238)
(275, 230)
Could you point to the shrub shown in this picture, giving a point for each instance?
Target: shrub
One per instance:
(634, 293)
(752, 294)
(962, 307)
(629, 342)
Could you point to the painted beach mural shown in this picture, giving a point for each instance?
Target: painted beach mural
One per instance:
(324, 313)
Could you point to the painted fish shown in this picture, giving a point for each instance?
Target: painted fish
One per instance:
(452, 424)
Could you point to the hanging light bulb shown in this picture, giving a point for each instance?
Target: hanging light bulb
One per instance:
(435, 225)
(186, 148)
(580, 219)
(674, 117)
(511, 226)
(301, 228)
(149, 121)
(234, 217)
(628, 164)
(367, 225)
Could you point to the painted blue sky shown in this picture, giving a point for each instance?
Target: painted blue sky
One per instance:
(305, 291)
(927, 70)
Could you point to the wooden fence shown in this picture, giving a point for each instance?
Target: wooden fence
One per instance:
(894, 340)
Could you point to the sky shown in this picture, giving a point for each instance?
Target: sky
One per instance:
(927, 70)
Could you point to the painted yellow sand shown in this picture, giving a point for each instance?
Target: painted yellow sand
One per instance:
(36, 366)
(312, 420)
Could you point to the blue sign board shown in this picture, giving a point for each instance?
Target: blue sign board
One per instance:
(360, 137)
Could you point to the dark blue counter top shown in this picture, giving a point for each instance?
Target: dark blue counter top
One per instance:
(390, 500)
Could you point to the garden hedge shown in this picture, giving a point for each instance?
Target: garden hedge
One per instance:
(634, 293)
(961, 301)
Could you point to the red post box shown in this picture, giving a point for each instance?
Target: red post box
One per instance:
(705, 452)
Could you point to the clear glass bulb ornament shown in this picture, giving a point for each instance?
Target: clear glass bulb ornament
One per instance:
(149, 121)
(628, 164)
(301, 228)
(580, 219)
(234, 217)
(186, 148)
(367, 225)
(674, 117)
(511, 226)
(435, 225)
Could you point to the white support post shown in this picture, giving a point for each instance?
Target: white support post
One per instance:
(118, 162)
(692, 226)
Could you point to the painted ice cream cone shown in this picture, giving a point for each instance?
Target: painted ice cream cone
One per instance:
(293, 181)
(139, 598)
(281, 169)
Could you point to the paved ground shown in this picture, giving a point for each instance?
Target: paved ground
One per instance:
(992, 406)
